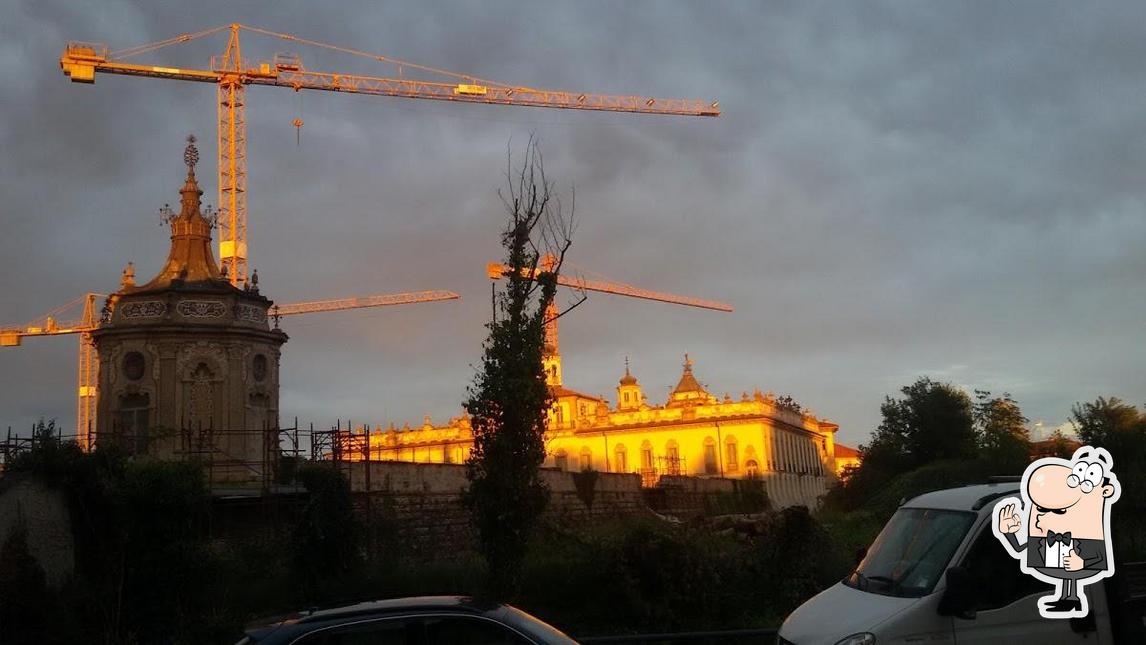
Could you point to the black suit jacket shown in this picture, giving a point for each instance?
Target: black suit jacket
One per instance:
(1092, 552)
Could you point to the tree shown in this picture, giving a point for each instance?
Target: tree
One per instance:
(325, 541)
(1059, 445)
(786, 402)
(24, 596)
(1001, 430)
(1104, 421)
(509, 400)
(1121, 429)
(933, 421)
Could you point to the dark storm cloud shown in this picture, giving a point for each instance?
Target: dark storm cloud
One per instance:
(893, 190)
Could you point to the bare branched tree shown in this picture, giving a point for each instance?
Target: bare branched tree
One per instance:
(538, 227)
(509, 400)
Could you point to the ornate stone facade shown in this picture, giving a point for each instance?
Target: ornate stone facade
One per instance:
(693, 433)
(189, 366)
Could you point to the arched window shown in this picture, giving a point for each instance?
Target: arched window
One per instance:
(620, 459)
(561, 459)
(710, 465)
(646, 455)
(134, 411)
(749, 455)
(586, 458)
(730, 457)
(672, 458)
(751, 469)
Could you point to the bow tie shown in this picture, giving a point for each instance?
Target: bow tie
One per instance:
(1061, 538)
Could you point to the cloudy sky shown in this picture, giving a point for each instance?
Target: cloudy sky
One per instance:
(893, 190)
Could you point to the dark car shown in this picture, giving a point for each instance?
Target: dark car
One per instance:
(432, 620)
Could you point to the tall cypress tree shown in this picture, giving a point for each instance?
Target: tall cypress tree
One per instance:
(509, 399)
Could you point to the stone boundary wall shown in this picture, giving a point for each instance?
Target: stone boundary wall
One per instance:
(405, 478)
(42, 512)
(419, 505)
(790, 489)
(685, 496)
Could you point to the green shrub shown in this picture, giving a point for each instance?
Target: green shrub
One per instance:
(641, 574)
(24, 597)
(586, 484)
(799, 556)
(747, 496)
(938, 475)
(325, 544)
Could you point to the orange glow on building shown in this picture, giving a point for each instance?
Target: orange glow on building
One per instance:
(692, 433)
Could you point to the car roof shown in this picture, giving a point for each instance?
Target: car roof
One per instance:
(400, 604)
(296, 623)
(965, 498)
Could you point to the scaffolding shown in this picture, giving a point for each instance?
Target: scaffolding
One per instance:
(230, 458)
(664, 465)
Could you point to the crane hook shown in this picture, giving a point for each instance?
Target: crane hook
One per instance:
(297, 123)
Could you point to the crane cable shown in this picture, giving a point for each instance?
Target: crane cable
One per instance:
(182, 38)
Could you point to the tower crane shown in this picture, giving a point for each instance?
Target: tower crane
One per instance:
(88, 369)
(231, 73)
(552, 355)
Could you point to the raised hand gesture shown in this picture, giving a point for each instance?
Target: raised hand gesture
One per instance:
(1009, 521)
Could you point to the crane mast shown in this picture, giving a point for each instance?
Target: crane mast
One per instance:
(232, 101)
(231, 75)
(87, 376)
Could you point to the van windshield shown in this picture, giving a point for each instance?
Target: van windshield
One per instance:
(911, 552)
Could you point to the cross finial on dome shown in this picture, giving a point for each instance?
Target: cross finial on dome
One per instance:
(191, 154)
(628, 378)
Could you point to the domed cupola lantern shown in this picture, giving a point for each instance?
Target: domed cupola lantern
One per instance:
(188, 362)
(629, 395)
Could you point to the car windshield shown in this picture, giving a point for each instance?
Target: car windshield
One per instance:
(911, 552)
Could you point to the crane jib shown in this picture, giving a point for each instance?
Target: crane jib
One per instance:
(232, 73)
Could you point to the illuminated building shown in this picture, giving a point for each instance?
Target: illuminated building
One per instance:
(188, 363)
(692, 433)
(846, 457)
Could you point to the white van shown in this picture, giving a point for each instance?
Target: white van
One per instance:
(899, 593)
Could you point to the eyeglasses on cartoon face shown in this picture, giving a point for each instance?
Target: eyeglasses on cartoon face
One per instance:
(1085, 475)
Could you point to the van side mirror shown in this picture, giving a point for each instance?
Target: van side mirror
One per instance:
(960, 597)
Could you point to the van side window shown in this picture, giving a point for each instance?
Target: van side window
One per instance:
(997, 574)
